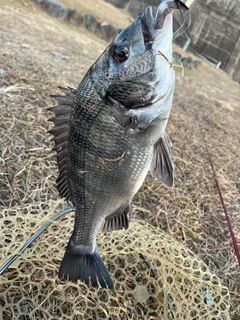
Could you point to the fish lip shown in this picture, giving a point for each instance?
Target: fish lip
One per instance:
(147, 23)
(149, 29)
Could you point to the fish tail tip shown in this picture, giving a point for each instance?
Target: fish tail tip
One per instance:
(89, 268)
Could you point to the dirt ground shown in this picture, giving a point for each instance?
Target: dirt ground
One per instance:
(39, 53)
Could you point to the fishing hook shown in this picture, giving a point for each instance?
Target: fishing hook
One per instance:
(183, 6)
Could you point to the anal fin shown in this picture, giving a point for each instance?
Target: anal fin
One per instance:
(118, 220)
(162, 165)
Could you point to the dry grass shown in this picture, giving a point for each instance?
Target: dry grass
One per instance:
(38, 54)
(102, 10)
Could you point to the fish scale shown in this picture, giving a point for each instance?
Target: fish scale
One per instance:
(87, 146)
(108, 134)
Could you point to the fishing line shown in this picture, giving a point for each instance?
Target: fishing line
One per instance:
(221, 196)
(36, 234)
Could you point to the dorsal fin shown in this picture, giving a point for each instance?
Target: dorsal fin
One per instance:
(60, 137)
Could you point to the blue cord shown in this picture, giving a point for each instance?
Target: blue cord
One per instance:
(28, 242)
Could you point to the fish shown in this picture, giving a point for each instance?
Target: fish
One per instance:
(108, 134)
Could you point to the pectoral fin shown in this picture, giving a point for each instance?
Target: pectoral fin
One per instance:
(162, 166)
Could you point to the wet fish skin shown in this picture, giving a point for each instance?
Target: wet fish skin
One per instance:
(107, 133)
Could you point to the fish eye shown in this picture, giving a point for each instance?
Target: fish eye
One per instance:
(121, 54)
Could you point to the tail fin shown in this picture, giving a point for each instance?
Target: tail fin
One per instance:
(89, 268)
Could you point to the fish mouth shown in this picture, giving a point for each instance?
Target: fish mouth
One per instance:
(152, 26)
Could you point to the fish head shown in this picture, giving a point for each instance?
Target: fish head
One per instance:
(135, 70)
(142, 49)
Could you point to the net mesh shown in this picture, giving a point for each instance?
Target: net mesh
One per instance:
(155, 276)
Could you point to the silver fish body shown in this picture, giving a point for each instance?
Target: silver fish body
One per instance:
(108, 134)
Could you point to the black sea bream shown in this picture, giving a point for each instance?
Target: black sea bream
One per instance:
(108, 134)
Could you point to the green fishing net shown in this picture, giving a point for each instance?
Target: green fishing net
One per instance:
(155, 277)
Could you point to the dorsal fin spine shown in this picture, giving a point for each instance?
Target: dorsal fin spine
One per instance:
(60, 137)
